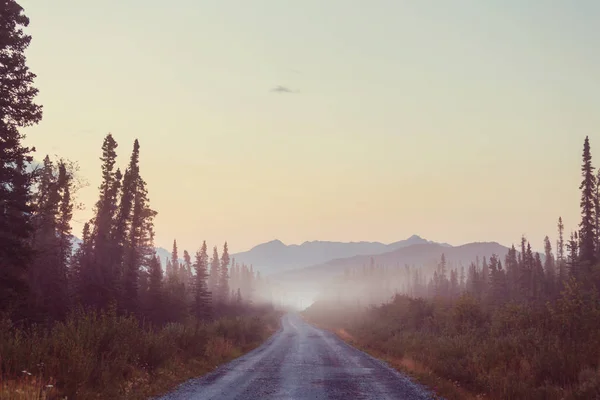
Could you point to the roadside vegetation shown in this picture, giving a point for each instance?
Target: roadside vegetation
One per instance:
(525, 327)
(102, 317)
(109, 356)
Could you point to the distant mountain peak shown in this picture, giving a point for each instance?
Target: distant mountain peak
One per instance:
(273, 244)
(415, 237)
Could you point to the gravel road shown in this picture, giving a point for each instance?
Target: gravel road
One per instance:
(302, 362)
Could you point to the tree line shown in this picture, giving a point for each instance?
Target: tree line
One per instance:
(43, 276)
(521, 326)
(522, 275)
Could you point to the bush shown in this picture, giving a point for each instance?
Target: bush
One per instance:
(516, 351)
(104, 355)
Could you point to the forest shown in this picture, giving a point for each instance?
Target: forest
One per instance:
(524, 326)
(101, 318)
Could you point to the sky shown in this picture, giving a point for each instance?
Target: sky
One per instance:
(338, 120)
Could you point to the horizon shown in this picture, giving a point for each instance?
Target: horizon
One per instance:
(265, 132)
(357, 242)
(182, 187)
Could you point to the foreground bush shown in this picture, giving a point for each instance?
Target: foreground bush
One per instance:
(106, 356)
(514, 351)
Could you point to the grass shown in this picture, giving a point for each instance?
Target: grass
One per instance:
(106, 356)
(463, 350)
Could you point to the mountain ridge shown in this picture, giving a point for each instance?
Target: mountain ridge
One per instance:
(418, 255)
(275, 256)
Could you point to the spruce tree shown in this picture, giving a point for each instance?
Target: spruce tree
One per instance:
(202, 297)
(223, 286)
(169, 269)
(560, 245)
(155, 290)
(549, 267)
(587, 233)
(187, 270)
(65, 213)
(175, 259)
(80, 267)
(539, 278)
(17, 110)
(140, 244)
(213, 279)
(124, 217)
(102, 286)
(48, 271)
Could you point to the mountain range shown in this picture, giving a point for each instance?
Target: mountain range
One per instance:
(318, 260)
(277, 257)
(422, 254)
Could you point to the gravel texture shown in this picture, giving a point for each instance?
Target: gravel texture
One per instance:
(302, 362)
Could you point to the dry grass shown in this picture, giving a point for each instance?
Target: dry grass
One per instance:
(105, 356)
(464, 351)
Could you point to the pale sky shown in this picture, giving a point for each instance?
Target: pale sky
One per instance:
(459, 121)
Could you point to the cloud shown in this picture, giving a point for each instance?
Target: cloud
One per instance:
(282, 89)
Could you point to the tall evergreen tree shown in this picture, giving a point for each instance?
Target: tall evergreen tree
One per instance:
(223, 286)
(65, 214)
(155, 290)
(560, 245)
(80, 265)
(213, 279)
(587, 233)
(101, 280)
(140, 244)
(549, 267)
(202, 296)
(17, 110)
(187, 268)
(560, 253)
(48, 274)
(175, 259)
(123, 218)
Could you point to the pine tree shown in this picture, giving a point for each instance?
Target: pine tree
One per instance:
(155, 290)
(497, 281)
(454, 290)
(102, 280)
(169, 269)
(48, 273)
(587, 235)
(549, 267)
(175, 259)
(123, 221)
(175, 287)
(187, 269)
(65, 213)
(560, 248)
(538, 280)
(573, 253)
(202, 297)
(213, 279)
(223, 286)
(512, 272)
(17, 110)
(140, 244)
(80, 266)
(485, 275)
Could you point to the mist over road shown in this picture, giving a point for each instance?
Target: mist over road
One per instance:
(301, 362)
